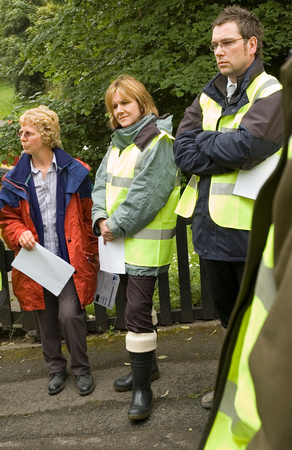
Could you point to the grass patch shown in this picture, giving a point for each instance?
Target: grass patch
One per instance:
(8, 100)
(195, 280)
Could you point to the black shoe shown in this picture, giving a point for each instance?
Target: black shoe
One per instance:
(57, 382)
(85, 384)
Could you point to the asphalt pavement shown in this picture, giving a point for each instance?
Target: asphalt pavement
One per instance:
(30, 419)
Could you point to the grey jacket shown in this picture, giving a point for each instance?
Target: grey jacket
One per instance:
(149, 190)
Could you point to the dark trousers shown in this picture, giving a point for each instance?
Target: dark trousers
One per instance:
(63, 316)
(138, 293)
(223, 278)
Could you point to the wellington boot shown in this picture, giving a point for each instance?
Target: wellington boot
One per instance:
(141, 367)
(125, 383)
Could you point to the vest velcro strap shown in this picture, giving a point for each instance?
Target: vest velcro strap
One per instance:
(148, 233)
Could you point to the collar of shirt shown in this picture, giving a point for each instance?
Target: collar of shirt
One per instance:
(53, 165)
(230, 89)
(229, 83)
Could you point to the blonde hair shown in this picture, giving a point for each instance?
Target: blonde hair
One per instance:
(130, 88)
(46, 122)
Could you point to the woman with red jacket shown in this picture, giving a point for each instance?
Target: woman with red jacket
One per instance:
(46, 198)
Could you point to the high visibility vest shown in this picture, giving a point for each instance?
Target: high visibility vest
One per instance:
(226, 209)
(153, 245)
(237, 419)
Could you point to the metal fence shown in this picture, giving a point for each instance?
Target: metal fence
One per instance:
(187, 313)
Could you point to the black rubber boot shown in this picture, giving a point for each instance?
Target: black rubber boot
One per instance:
(125, 383)
(141, 367)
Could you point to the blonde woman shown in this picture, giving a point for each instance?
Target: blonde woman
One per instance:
(135, 194)
(46, 198)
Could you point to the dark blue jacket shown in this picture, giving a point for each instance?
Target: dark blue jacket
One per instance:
(206, 153)
(19, 212)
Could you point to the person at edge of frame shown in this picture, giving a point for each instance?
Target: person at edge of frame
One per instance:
(136, 191)
(253, 396)
(234, 125)
(46, 199)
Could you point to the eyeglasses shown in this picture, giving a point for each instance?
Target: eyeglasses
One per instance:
(25, 134)
(224, 44)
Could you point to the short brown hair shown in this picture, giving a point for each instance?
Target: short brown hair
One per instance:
(131, 88)
(46, 122)
(248, 24)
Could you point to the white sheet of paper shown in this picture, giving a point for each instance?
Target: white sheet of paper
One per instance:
(107, 286)
(44, 267)
(249, 182)
(112, 255)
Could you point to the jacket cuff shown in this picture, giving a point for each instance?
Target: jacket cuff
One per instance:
(112, 226)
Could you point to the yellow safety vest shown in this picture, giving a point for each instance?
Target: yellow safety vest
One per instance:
(226, 209)
(237, 419)
(153, 245)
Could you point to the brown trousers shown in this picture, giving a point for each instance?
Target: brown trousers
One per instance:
(63, 316)
(138, 293)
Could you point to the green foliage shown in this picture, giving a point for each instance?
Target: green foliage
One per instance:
(65, 53)
(10, 143)
(7, 100)
(15, 20)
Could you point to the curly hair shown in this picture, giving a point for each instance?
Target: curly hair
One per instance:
(248, 24)
(46, 122)
(130, 88)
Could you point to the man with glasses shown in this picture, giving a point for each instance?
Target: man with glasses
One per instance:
(232, 127)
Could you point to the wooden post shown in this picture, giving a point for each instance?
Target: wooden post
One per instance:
(164, 297)
(183, 270)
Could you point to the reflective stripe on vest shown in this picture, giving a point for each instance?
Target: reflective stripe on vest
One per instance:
(153, 245)
(226, 209)
(237, 419)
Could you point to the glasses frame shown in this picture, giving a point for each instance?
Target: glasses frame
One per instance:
(25, 134)
(227, 44)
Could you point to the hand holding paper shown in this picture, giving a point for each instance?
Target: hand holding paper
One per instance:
(44, 267)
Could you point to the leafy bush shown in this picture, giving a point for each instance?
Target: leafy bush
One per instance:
(65, 53)
(8, 100)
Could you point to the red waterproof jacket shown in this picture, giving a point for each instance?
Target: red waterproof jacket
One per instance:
(17, 215)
